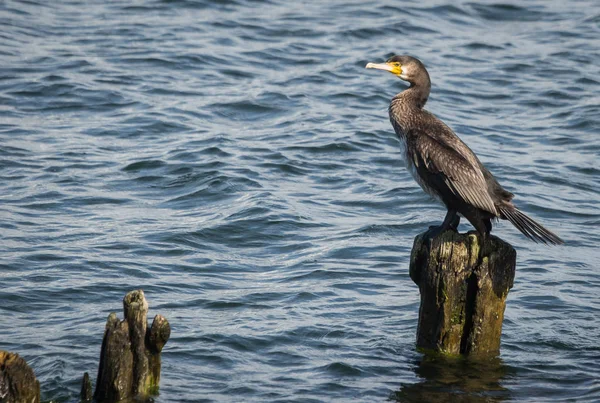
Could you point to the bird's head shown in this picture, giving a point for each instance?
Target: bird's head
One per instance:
(405, 67)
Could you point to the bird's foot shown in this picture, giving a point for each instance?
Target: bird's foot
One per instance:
(436, 230)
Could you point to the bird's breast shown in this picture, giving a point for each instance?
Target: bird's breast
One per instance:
(412, 167)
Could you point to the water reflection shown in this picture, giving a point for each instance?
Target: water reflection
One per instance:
(461, 380)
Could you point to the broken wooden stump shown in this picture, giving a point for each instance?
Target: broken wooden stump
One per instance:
(130, 355)
(463, 286)
(86, 388)
(17, 380)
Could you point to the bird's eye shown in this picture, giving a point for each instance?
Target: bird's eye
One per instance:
(397, 64)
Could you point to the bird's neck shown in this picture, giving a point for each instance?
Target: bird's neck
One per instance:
(416, 95)
(407, 105)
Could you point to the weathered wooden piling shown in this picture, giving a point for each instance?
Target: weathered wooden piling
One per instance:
(463, 286)
(130, 356)
(17, 380)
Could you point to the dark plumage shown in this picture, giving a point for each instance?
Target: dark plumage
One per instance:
(444, 166)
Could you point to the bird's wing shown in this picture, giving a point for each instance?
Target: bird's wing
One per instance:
(464, 179)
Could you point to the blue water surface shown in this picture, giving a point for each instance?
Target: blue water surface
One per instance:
(234, 160)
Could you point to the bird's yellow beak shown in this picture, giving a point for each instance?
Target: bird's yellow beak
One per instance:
(394, 68)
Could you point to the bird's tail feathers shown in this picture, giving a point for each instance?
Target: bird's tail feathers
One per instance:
(531, 229)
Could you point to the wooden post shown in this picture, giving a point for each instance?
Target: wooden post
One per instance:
(463, 287)
(17, 380)
(130, 355)
(86, 388)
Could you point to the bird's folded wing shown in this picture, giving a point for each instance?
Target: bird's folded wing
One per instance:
(464, 180)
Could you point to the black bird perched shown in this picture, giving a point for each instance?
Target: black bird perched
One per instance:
(444, 166)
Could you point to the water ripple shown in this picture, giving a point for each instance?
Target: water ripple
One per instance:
(234, 159)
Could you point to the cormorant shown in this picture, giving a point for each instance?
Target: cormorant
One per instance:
(444, 166)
